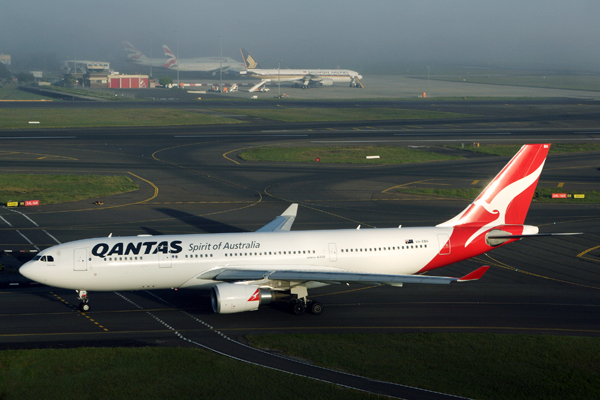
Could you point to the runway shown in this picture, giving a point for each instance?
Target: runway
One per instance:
(192, 182)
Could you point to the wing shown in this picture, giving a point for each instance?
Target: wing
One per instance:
(299, 276)
(282, 223)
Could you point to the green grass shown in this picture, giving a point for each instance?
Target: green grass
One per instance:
(11, 92)
(344, 155)
(544, 194)
(81, 118)
(148, 373)
(480, 366)
(573, 82)
(343, 114)
(511, 149)
(49, 189)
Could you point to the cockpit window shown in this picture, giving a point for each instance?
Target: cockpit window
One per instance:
(43, 258)
(50, 259)
(36, 258)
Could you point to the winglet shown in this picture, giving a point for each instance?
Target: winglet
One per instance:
(473, 276)
(291, 211)
(283, 222)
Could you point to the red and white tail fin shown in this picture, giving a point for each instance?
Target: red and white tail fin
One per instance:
(171, 59)
(507, 198)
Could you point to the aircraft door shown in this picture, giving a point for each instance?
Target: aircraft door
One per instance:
(164, 260)
(332, 252)
(444, 242)
(80, 260)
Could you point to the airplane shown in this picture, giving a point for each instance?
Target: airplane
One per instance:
(303, 78)
(245, 270)
(201, 64)
(136, 56)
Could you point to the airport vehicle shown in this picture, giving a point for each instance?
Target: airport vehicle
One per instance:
(245, 270)
(201, 64)
(136, 56)
(303, 78)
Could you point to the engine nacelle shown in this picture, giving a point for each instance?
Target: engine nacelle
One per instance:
(229, 298)
(327, 82)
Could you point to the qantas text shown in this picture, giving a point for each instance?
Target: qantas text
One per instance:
(120, 249)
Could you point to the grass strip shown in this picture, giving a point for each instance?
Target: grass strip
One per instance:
(544, 195)
(571, 82)
(11, 92)
(342, 114)
(18, 118)
(479, 366)
(343, 155)
(49, 189)
(511, 149)
(149, 373)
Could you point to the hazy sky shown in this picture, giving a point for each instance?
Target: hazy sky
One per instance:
(354, 34)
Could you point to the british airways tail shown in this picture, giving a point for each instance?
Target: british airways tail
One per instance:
(133, 54)
(171, 59)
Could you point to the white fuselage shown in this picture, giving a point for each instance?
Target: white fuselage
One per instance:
(207, 64)
(176, 261)
(287, 75)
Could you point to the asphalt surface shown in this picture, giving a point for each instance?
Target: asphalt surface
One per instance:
(192, 182)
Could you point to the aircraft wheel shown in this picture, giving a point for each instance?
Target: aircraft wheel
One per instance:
(298, 307)
(316, 308)
(84, 306)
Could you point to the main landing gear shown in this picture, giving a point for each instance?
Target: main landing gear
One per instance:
(84, 304)
(300, 306)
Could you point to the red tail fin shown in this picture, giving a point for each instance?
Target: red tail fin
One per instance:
(507, 198)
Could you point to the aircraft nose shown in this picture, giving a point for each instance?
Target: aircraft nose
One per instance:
(30, 271)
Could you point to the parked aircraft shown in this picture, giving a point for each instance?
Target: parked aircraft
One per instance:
(245, 270)
(303, 78)
(136, 56)
(201, 64)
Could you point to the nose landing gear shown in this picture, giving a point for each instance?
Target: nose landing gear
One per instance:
(83, 300)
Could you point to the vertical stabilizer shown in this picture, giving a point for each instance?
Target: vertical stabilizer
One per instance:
(249, 62)
(507, 198)
(171, 59)
(133, 54)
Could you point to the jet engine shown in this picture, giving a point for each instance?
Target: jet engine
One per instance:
(229, 298)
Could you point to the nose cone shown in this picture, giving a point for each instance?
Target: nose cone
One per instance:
(31, 270)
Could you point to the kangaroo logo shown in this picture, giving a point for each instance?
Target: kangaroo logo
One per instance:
(499, 204)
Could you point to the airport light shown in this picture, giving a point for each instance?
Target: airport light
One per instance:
(177, 38)
(221, 64)
(279, 78)
(428, 67)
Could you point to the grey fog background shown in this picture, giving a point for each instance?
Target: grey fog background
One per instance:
(369, 36)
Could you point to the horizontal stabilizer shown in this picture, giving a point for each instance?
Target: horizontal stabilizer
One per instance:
(492, 236)
(475, 275)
